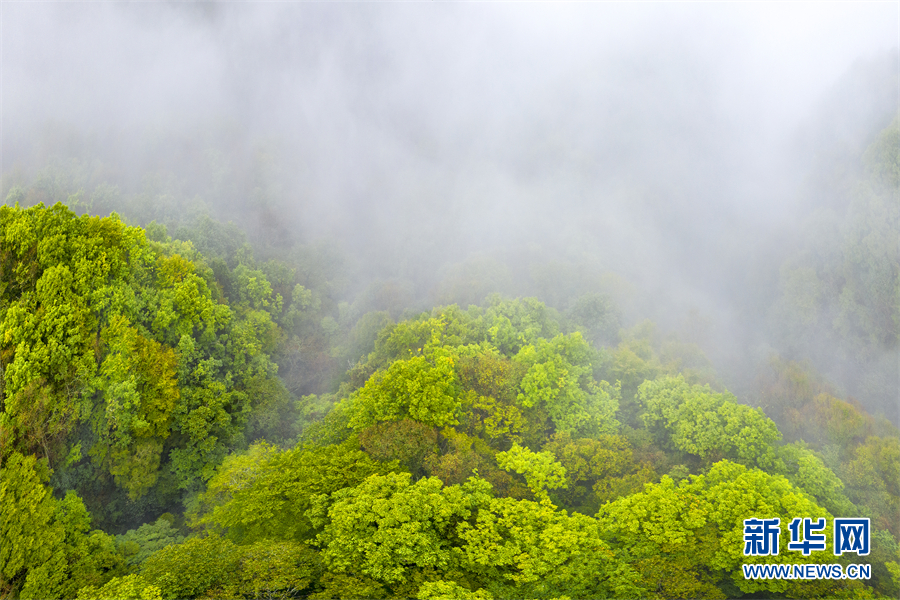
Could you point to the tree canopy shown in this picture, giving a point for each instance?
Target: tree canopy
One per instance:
(181, 420)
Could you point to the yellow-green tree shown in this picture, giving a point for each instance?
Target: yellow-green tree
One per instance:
(46, 547)
(686, 540)
(100, 326)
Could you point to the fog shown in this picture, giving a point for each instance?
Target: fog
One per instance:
(661, 153)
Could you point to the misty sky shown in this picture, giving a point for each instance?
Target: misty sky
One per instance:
(667, 141)
(470, 101)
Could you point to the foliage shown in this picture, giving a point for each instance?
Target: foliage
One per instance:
(857, 447)
(409, 442)
(212, 566)
(102, 326)
(145, 373)
(265, 493)
(838, 300)
(449, 590)
(643, 354)
(806, 408)
(418, 388)
(598, 470)
(139, 383)
(392, 530)
(872, 478)
(884, 556)
(464, 456)
(193, 567)
(560, 379)
(490, 407)
(46, 547)
(685, 539)
(274, 571)
(523, 549)
(597, 318)
(137, 545)
(128, 587)
(807, 471)
(542, 472)
(694, 420)
(338, 586)
(32, 555)
(91, 556)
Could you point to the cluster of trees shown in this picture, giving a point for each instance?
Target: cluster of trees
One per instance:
(839, 294)
(478, 453)
(124, 367)
(181, 420)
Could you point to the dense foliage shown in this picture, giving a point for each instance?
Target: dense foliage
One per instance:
(234, 430)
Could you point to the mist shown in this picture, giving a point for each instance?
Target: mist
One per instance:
(662, 154)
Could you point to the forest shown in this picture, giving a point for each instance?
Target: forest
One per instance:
(204, 395)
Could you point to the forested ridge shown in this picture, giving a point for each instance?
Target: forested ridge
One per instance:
(189, 409)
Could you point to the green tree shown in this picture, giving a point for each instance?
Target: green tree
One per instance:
(137, 545)
(32, 541)
(128, 587)
(560, 379)
(275, 571)
(101, 326)
(265, 493)
(60, 276)
(806, 470)
(449, 590)
(597, 318)
(873, 481)
(407, 441)
(542, 472)
(397, 532)
(490, 408)
(523, 549)
(697, 421)
(465, 455)
(418, 388)
(687, 539)
(598, 470)
(202, 567)
(46, 547)
(338, 586)
(91, 556)
(513, 324)
(189, 569)
(138, 380)
(839, 295)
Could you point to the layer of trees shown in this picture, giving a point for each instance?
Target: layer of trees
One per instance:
(181, 420)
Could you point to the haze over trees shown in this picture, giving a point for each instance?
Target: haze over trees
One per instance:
(356, 302)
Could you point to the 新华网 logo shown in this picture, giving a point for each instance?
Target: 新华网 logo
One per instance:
(761, 536)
